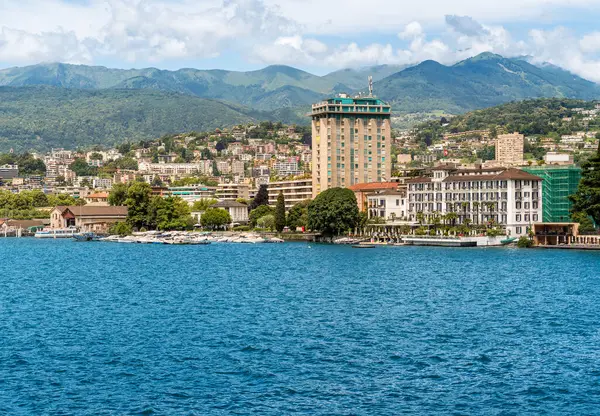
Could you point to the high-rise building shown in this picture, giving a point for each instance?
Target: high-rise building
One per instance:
(509, 149)
(351, 142)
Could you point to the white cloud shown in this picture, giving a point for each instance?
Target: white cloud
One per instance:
(288, 31)
(590, 43)
(135, 30)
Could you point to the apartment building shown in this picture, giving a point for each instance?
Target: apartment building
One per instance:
(232, 191)
(351, 142)
(510, 197)
(293, 191)
(509, 149)
(192, 193)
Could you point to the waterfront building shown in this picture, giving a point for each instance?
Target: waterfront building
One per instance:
(232, 191)
(363, 190)
(192, 193)
(559, 182)
(389, 205)
(294, 191)
(88, 218)
(350, 142)
(509, 149)
(510, 197)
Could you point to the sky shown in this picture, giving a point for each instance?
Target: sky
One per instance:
(315, 35)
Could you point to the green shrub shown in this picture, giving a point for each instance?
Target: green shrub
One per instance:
(524, 242)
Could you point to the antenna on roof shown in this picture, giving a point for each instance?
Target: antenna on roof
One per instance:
(370, 86)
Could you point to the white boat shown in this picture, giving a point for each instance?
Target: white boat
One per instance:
(57, 233)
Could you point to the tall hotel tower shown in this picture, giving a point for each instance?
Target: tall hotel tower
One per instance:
(350, 142)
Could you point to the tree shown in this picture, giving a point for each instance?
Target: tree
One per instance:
(39, 199)
(81, 168)
(261, 211)
(267, 222)
(156, 181)
(120, 228)
(280, 213)
(60, 180)
(587, 198)
(215, 218)
(172, 213)
(96, 156)
(298, 215)
(203, 204)
(118, 194)
(333, 211)
(261, 198)
(585, 223)
(138, 202)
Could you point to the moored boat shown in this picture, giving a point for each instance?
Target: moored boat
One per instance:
(56, 233)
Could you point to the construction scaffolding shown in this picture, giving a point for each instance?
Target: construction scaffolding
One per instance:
(559, 182)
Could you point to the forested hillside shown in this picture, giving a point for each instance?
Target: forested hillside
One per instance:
(45, 117)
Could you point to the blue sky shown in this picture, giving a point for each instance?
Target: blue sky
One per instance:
(312, 35)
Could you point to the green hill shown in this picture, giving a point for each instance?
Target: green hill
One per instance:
(483, 81)
(45, 117)
(544, 116)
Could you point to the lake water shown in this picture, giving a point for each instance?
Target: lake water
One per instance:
(98, 328)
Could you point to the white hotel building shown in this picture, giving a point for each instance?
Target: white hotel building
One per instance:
(510, 197)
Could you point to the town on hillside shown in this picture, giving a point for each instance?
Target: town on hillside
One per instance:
(449, 182)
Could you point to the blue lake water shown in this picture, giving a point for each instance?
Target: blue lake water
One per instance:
(98, 328)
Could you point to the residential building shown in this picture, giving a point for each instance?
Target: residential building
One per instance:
(351, 142)
(559, 183)
(510, 197)
(175, 169)
(232, 191)
(362, 191)
(88, 218)
(237, 167)
(403, 159)
(554, 158)
(192, 193)
(9, 171)
(223, 166)
(97, 198)
(389, 205)
(294, 191)
(287, 168)
(509, 149)
(237, 211)
(102, 183)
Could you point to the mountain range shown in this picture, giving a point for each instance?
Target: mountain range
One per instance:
(40, 105)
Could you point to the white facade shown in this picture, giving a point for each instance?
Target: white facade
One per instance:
(293, 191)
(389, 205)
(510, 197)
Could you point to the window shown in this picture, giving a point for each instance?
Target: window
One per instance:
(397, 202)
(518, 217)
(519, 230)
